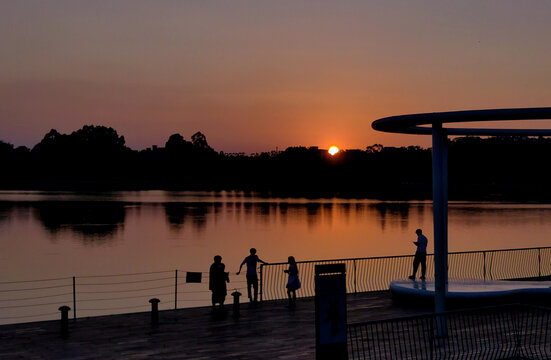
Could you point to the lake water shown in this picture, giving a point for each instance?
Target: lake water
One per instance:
(63, 234)
(52, 234)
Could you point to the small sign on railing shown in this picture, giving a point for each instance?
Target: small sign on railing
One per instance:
(193, 277)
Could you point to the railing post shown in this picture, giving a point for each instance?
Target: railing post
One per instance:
(539, 262)
(74, 300)
(175, 289)
(236, 294)
(154, 312)
(64, 321)
(484, 262)
(261, 281)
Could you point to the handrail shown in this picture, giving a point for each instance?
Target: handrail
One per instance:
(364, 274)
(402, 256)
(376, 273)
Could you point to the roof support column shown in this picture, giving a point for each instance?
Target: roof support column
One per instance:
(440, 214)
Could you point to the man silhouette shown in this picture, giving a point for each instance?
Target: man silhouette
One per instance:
(420, 255)
(252, 278)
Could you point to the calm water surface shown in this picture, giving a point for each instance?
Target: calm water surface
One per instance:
(51, 234)
(99, 236)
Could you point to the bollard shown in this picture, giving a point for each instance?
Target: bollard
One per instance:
(154, 312)
(64, 321)
(236, 295)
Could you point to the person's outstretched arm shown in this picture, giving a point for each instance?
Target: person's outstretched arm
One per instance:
(240, 266)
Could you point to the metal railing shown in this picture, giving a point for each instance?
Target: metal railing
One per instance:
(35, 300)
(376, 273)
(499, 332)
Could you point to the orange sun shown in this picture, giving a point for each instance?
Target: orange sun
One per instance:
(333, 150)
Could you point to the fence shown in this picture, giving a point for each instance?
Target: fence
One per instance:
(376, 273)
(35, 300)
(501, 332)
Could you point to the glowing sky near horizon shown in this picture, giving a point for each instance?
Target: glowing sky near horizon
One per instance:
(256, 75)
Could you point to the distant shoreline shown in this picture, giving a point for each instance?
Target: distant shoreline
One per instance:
(95, 158)
(379, 196)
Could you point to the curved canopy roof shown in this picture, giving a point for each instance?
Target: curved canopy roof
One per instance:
(411, 124)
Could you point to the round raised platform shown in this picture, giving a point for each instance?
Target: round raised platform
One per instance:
(469, 292)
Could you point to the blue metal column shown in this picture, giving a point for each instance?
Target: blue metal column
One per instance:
(440, 214)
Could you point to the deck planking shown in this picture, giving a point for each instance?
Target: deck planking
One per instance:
(268, 331)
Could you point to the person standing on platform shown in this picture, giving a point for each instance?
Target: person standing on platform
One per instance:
(420, 255)
(293, 284)
(217, 282)
(252, 278)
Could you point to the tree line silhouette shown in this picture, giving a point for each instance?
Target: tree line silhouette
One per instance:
(96, 158)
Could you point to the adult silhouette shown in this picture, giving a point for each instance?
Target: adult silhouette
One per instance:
(217, 282)
(252, 278)
(420, 255)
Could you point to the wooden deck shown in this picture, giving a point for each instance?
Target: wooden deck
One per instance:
(269, 331)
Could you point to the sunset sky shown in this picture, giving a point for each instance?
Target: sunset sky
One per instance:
(256, 75)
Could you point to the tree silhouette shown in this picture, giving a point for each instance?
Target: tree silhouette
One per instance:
(5, 148)
(176, 143)
(96, 157)
(53, 142)
(98, 139)
(91, 140)
(200, 141)
(376, 148)
(91, 155)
